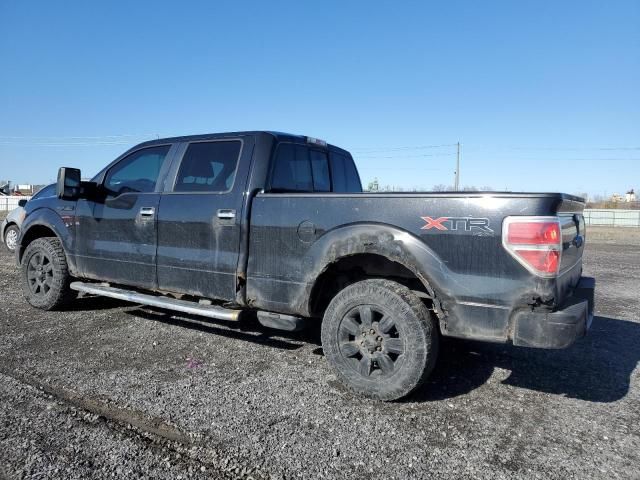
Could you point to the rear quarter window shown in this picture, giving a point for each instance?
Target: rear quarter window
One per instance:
(300, 168)
(291, 169)
(320, 171)
(344, 173)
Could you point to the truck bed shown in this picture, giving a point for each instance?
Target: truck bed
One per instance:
(293, 237)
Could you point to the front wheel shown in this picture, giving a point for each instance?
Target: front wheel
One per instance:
(380, 339)
(45, 274)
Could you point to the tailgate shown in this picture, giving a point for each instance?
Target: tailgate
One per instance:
(573, 239)
(572, 226)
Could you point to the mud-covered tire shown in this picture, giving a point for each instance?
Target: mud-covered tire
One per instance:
(11, 235)
(45, 274)
(380, 339)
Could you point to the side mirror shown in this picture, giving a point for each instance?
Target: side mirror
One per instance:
(22, 203)
(68, 187)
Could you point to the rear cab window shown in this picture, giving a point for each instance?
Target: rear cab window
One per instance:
(320, 171)
(291, 169)
(345, 175)
(303, 168)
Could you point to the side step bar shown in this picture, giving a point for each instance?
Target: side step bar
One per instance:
(279, 321)
(184, 306)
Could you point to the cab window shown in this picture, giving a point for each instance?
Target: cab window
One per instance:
(299, 169)
(291, 170)
(48, 191)
(344, 173)
(320, 171)
(137, 173)
(208, 167)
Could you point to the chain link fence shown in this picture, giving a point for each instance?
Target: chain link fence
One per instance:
(8, 203)
(612, 217)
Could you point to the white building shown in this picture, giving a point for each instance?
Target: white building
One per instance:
(616, 197)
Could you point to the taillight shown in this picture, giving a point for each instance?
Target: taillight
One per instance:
(536, 242)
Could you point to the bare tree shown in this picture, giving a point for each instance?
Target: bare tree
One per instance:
(373, 186)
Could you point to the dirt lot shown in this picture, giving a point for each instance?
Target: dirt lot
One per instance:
(109, 389)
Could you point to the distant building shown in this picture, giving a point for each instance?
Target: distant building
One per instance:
(25, 189)
(630, 196)
(616, 197)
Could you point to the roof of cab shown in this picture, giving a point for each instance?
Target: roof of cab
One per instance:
(279, 136)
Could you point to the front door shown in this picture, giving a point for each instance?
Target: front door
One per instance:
(117, 230)
(200, 218)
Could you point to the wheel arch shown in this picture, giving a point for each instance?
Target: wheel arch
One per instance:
(352, 253)
(45, 223)
(10, 224)
(36, 231)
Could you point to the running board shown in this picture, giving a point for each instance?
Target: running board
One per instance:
(279, 321)
(184, 306)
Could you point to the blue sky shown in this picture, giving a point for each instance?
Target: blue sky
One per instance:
(543, 95)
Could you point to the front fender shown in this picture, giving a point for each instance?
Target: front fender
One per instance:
(61, 226)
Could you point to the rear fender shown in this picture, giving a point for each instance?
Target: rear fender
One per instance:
(392, 243)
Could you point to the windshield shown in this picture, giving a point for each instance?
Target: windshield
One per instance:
(48, 191)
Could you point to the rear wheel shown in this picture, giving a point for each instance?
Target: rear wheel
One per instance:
(380, 339)
(11, 235)
(45, 274)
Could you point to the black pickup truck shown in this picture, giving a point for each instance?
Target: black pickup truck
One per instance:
(276, 224)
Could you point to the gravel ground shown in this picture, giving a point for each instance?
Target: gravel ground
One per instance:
(111, 389)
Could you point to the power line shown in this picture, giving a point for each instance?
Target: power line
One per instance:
(406, 156)
(394, 168)
(72, 144)
(577, 159)
(509, 147)
(55, 137)
(497, 147)
(390, 149)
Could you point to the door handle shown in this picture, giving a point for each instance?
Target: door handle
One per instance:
(226, 214)
(147, 211)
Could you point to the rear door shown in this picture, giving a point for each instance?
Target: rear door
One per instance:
(200, 218)
(117, 229)
(284, 226)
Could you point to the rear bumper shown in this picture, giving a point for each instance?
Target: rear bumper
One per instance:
(560, 328)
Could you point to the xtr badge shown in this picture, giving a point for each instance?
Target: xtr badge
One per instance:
(467, 224)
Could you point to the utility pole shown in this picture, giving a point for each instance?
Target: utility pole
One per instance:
(457, 179)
